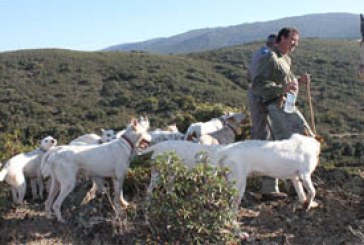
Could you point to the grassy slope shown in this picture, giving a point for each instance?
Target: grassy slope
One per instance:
(68, 93)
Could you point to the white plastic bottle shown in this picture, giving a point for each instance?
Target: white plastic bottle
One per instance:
(290, 103)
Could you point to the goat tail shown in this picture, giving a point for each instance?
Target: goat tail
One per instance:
(3, 173)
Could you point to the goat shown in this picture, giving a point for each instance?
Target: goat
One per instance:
(106, 136)
(26, 165)
(195, 130)
(106, 160)
(225, 135)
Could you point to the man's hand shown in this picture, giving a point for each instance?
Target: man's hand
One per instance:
(305, 78)
(290, 87)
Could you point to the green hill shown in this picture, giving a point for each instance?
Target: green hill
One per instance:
(67, 93)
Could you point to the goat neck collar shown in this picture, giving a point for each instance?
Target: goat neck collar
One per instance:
(231, 127)
(129, 142)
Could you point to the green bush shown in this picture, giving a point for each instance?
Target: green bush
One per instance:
(191, 206)
(12, 144)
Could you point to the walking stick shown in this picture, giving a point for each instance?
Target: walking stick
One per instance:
(310, 104)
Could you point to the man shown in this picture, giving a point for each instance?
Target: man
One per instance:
(260, 129)
(361, 51)
(273, 80)
(259, 122)
(362, 27)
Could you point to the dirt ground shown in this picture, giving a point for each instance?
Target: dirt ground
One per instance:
(339, 219)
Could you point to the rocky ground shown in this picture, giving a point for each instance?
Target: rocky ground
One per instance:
(339, 219)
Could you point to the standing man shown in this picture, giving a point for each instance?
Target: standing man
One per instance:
(259, 127)
(361, 51)
(273, 80)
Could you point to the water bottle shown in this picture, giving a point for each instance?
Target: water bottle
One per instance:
(289, 106)
(290, 102)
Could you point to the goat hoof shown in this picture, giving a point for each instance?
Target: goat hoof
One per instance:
(309, 205)
(243, 236)
(125, 204)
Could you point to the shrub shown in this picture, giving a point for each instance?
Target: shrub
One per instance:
(191, 206)
(138, 177)
(12, 145)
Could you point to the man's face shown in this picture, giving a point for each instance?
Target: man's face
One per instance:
(291, 42)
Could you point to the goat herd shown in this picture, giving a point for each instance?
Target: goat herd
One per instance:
(110, 156)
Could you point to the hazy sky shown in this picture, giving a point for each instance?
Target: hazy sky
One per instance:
(93, 25)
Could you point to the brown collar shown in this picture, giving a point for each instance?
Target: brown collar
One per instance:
(129, 142)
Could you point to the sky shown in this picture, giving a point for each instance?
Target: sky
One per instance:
(97, 24)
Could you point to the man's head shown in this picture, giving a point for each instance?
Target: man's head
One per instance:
(271, 40)
(287, 39)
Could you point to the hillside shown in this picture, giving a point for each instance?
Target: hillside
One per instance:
(65, 93)
(325, 25)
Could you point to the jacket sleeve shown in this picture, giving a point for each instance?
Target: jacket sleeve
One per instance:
(264, 83)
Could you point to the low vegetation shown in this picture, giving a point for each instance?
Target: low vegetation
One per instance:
(191, 206)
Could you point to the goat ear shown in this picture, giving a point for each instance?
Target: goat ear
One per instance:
(134, 122)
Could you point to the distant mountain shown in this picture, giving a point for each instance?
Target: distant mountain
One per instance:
(329, 25)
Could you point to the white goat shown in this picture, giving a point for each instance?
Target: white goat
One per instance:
(106, 136)
(190, 154)
(106, 160)
(170, 132)
(225, 135)
(294, 158)
(93, 139)
(195, 130)
(26, 165)
(143, 121)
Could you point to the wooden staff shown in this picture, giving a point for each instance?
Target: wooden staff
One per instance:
(310, 104)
